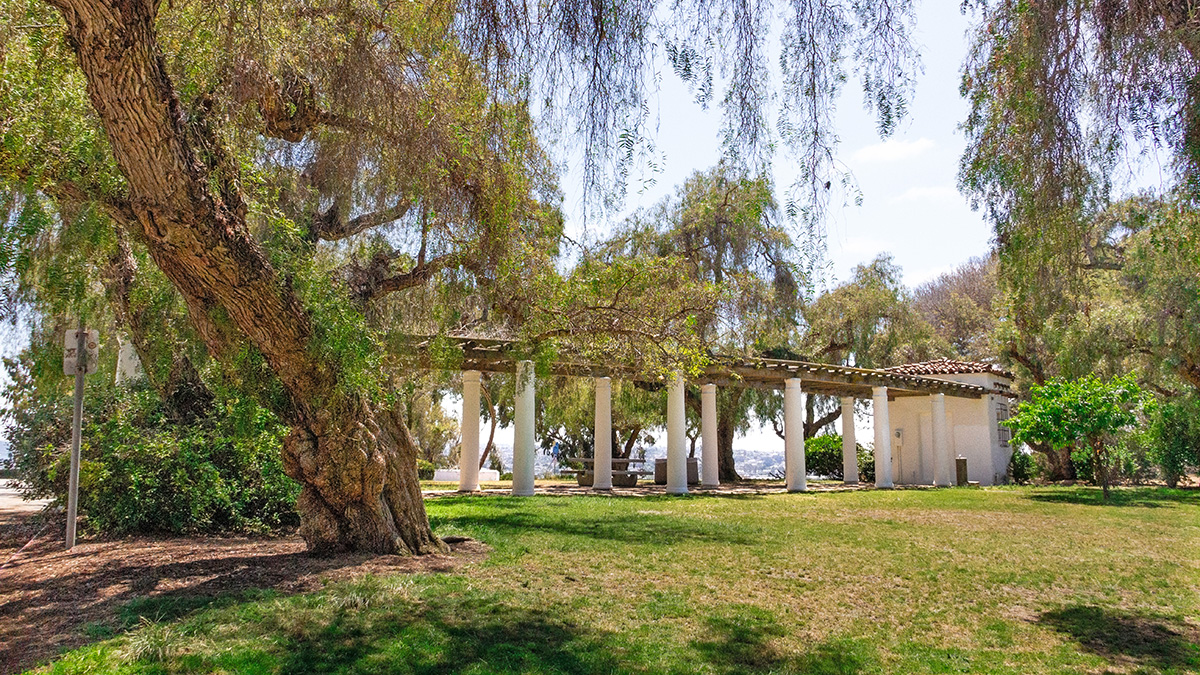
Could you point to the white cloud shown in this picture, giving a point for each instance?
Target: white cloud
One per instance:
(930, 193)
(864, 248)
(918, 277)
(892, 150)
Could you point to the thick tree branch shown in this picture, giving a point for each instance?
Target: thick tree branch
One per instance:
(119, 210)
(375, 279)
(812, 427)
(332, 226)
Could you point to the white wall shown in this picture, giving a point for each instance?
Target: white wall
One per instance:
(974, 433)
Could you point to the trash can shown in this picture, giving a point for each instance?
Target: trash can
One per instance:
(693, 471)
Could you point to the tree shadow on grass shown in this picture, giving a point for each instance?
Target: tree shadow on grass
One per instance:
(1148, 497)
(742, 641)
(623, 527)
(446, 637)
(1128, 638)
(469, 633)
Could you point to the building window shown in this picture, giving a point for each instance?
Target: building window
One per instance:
(1005, 433)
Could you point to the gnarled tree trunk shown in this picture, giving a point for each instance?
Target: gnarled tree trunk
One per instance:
(358, 469)
(356, 461)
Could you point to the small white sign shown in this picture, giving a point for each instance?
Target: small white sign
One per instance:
(70, 344)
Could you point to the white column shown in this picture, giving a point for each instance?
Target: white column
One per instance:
(602, 462)
(943, 463)
(883, 438)
(676, 439)
(795, 473)
(849, 444)
(523, 445)
(468, 454)
(709, 463)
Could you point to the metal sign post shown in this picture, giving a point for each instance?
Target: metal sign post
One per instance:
(80, 357)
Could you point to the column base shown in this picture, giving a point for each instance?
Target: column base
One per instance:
(677, 491)
(849, 482)
(522, 493)
(601, 489)
(712, 486)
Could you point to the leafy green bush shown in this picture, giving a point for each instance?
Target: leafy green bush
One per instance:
(1133, 460)
(823, 457)
(1175, 438)
(425, 469)
(142, 471)
(1022, 468)
(866, 464)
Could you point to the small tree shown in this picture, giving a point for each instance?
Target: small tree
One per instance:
(1083, 414)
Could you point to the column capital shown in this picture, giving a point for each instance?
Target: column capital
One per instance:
(470, 375)
(793, 383)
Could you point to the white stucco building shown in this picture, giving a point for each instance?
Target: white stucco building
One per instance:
(972, 424)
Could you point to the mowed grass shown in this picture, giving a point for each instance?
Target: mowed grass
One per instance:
(1007, 580)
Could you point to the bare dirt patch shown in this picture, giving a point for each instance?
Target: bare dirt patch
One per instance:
(51, 598)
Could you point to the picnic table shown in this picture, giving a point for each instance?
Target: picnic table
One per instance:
(622, 475)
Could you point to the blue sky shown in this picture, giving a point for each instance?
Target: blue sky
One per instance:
(911, 206)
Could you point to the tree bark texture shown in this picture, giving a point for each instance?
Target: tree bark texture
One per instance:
(356, 462)
(728, 400)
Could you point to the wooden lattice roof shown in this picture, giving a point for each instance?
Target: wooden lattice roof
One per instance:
(491, 355)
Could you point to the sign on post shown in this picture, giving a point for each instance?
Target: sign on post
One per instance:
(91, 341)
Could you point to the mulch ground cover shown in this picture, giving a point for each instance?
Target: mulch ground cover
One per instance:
(52, 599)
(17, 528)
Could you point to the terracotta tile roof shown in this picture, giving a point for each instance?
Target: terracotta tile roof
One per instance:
(948, 367)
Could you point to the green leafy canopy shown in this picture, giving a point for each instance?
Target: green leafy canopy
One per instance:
(1088, 410)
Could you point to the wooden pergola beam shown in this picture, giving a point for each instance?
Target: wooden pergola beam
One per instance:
(490, 355)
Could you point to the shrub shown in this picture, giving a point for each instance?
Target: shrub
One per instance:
(425, 469)
(1022, 467)
(866, 464)
(143, 472)
(1133, 461)
(823, 457)
(1174, 438)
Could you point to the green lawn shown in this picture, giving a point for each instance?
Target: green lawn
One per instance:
(1020, 580)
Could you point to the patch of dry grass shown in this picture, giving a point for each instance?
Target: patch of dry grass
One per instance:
(1021, 580)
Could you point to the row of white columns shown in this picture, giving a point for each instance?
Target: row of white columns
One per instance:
(677, 474)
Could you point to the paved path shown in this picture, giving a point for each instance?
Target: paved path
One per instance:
(11, 504)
